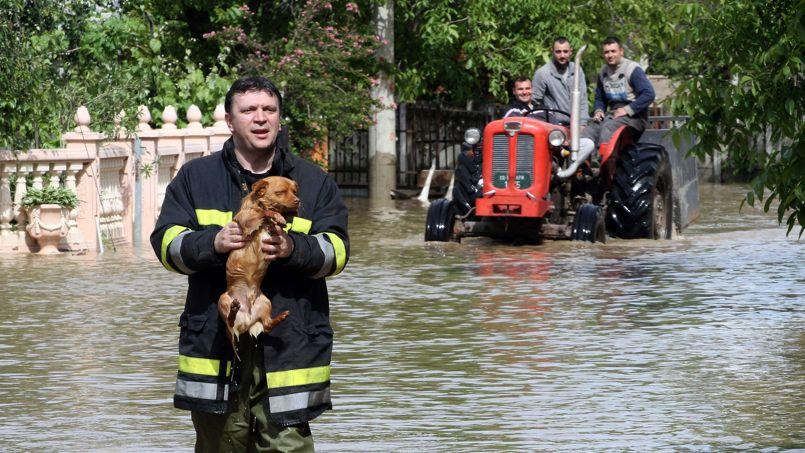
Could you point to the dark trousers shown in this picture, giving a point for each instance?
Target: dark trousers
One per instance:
(602, 132)
(248, 429)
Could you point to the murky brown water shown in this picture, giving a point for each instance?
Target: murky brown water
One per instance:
(696, 343)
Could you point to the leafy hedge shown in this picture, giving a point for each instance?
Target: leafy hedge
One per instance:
(50, 195)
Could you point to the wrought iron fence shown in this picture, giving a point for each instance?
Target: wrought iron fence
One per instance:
(349, 161)
(428, 134)
(425, 134)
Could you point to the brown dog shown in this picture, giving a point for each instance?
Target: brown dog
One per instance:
(243, 306)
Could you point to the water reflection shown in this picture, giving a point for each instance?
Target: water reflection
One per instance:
(695, 343)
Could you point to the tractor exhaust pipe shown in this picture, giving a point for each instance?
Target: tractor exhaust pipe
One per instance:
(575, 108)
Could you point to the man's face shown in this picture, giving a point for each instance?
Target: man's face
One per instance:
(613, 53)
(562, 53)
(522, 91)
(254, 120)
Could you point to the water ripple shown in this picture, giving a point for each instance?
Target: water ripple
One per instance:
(691, 344)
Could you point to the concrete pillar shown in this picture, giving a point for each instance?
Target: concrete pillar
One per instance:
(83, 142)
(382, 134)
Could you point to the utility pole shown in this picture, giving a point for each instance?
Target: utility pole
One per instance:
(382, 133)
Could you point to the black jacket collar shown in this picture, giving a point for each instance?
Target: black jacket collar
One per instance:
(281, 164)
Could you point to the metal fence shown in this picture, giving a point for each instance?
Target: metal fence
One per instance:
(428, 134)
(349, 161)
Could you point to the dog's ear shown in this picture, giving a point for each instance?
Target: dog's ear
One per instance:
(259, 188)
(249, 220)
(250, 216)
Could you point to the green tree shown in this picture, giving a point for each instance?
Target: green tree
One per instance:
(46, 73)
(741, 79)
(317, 51)
(459, 51)
(60, 55)
(322, 62)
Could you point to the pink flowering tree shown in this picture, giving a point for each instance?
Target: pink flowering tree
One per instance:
(319, 53)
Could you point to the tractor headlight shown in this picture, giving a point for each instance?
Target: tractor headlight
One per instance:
(556, 138)
(472, 135)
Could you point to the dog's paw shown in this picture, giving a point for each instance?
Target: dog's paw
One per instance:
(233, 312)
(256, 330)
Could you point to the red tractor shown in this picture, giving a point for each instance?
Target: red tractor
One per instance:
(523, 182)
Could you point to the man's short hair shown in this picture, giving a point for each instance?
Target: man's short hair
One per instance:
(247, 84)
(560, 40)
(611, 40)
(521, 79)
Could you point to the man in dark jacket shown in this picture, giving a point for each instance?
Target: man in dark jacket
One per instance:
(522, 103)
(265, 400)
(622, 97)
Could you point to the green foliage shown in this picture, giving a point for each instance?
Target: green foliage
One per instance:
(50, 195)
(61, 55)
(323, 65)
(460, 51)
(48, 69)
(741, 80)
(738, 64)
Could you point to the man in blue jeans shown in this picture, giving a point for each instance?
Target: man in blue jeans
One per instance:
(623, 94)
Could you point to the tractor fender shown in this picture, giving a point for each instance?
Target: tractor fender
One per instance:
(618, 140)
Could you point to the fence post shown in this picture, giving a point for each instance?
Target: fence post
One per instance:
(195, 138)
(136, 236)
(7, 238)
(147, 172)
(219, 132)
(82, 141)
(402, 142)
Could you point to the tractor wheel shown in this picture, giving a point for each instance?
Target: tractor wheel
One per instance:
(588, 225)
(440, 221)
(465, 188)
(641, 197)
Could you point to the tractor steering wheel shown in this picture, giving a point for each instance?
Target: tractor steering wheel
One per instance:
(546, 110)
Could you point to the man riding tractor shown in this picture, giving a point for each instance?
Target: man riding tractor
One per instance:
(526, 179)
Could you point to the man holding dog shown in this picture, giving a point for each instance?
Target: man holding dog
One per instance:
(553, 83)
(623, 94)
(265, 400)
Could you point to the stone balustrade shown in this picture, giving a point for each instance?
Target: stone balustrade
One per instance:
(103, 173)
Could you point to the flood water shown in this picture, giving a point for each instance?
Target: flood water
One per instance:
(692, 344)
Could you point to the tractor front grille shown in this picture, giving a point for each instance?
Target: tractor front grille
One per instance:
(524, 172)
(500, 160)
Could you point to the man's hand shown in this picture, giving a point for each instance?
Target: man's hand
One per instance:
(620, 112)
(598, 116)
(277, 245)
(229, 238)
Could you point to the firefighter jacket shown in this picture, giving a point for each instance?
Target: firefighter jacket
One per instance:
(203, 197)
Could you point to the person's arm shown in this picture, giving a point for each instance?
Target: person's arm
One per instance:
(599, 103)
(538, 88)
(644, 92)
(180, 243)
(321, 248)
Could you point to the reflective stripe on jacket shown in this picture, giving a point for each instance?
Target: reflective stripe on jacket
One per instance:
(202, 198)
